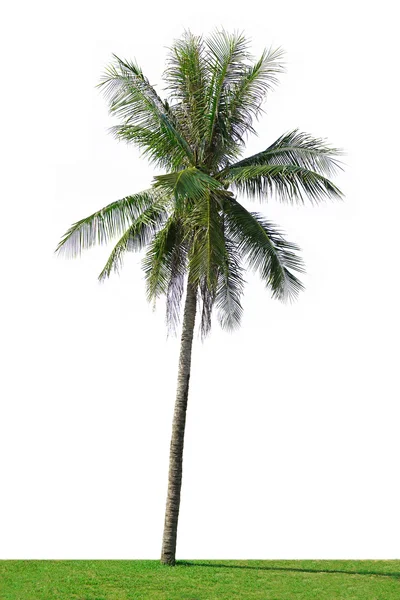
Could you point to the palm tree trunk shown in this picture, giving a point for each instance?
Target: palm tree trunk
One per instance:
(178, 431)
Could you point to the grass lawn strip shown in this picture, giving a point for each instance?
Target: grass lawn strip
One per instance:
(200, 580)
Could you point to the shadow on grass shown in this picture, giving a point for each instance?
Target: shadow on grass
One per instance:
(187, 563)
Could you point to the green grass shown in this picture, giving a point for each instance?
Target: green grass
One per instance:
(200, 580)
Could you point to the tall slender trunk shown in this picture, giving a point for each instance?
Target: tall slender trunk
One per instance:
(178, 431)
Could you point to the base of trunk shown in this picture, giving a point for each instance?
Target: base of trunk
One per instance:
(168, 560)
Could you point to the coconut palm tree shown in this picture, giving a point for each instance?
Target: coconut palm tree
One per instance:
(198, 236)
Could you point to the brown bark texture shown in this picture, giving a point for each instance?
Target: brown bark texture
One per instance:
(178, 431)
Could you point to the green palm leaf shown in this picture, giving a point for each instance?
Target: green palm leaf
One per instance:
(157, 263)
(242, 101)
(265, 250)
(187, 78)
(186, 185)
(297, 149)
(135, 238)
(177, 277)
(108, 223)
(206, 252)
(134, 100)
(230, 288)
(226, 56)
(288, 183)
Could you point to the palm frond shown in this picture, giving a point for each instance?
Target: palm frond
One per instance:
(226, 56)
(108, 223)
(186, 185)
(206, 255)
(299, 150)
(230, 288)
(241, 102)
(177, 276)
(186, 76)
(205, 301)
(157, 261)
(135, 238)
(135, 101)
(265, 250)
(207, 250)
(287, 183)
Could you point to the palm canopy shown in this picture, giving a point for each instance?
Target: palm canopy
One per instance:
(190, 219)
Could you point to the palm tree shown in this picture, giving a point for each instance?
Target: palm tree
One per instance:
(196, 233)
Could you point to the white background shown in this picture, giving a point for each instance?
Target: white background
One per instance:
(292, 442)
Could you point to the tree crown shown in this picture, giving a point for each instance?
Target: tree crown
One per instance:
(190, 219)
